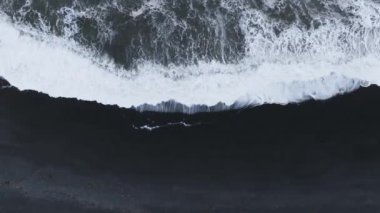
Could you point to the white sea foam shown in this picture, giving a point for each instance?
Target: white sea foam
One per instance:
(294, 67)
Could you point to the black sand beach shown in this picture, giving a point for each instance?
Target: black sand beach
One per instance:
(65, 155)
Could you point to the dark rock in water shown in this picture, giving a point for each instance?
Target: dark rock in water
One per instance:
(4, 83)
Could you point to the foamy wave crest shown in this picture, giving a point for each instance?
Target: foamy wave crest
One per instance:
(282, 63)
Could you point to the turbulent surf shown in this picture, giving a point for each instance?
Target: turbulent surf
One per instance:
(190, 55)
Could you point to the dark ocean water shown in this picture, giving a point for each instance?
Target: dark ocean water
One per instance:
(205, 55)
(186, 31)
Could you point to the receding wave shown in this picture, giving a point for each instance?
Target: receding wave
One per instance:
(190, 55)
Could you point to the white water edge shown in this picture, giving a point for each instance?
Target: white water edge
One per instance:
(31, 59)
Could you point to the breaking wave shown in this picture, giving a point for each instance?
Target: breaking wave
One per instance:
(190, 55)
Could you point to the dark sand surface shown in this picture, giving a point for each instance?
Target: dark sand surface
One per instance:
(64, 155)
